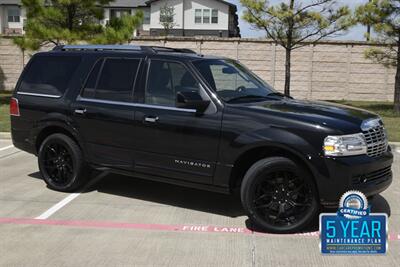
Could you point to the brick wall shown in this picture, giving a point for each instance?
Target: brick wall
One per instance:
(329, 70)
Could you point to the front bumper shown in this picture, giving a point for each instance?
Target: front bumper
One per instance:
(368, 175)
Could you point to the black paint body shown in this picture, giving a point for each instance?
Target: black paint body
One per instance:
(202, 151)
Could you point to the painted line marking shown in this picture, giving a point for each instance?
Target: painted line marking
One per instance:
(10, 154)
(68, 199)
(6, 147)
(158, 227)
(398, 150)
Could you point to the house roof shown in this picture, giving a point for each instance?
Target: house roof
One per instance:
(128, 3)
(221, 1)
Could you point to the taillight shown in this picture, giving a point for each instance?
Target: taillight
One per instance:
(14, 107)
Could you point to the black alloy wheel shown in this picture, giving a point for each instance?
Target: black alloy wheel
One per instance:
(279, 196)
(61, 163)
(58, 163)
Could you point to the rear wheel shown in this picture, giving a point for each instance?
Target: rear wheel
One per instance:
(61, 163)
(279, 196)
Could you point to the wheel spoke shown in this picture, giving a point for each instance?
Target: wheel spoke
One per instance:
(264, 206)
(281, 210)
(297, 204)
(263, 196)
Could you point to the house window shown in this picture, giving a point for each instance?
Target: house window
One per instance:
(146, 16)
(214, 16)
(197, 16)
(206, 16)
(118, 13)
(14, 14)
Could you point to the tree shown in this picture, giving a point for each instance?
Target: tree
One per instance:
(167, 14)
(294, 24)
(383, 15)
(119, 30)
(64, 21)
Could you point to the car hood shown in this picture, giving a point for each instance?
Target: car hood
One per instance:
(335, 116)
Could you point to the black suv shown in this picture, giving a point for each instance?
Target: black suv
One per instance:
(175, 116)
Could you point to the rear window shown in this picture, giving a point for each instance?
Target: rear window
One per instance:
(49, 75)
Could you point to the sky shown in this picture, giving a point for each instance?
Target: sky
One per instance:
(355, 33)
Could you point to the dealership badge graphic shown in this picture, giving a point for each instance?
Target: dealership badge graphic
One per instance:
(353, 229)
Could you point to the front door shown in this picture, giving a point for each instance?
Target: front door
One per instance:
(173, 142)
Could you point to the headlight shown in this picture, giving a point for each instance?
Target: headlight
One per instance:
(345, 145)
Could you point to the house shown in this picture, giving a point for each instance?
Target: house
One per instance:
(196, 17)
(191, 17)
(11, 17)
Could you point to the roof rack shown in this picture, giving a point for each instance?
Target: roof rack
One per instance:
(98, 47)
(152, 49)
(170, 49)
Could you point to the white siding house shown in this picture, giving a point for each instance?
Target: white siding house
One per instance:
(191, 17)
(197, 17)
(12, 17)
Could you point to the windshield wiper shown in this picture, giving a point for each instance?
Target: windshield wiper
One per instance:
(247, 97)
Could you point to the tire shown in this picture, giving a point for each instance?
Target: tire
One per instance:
(61, 163)
(279, 196)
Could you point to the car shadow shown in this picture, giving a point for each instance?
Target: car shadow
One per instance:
(188, 198)
(167, 194)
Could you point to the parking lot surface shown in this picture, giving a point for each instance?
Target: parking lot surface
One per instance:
(119, 220)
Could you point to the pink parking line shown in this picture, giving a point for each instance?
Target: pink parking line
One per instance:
(156, 227)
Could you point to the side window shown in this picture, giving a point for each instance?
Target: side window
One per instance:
(90, 86)
(49, 75)
(165, 79)
(116, 80)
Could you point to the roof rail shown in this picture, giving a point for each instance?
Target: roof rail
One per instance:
(98, 47)
(151, 49)
(170, 49)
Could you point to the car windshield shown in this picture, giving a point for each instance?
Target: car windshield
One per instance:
(232, 81)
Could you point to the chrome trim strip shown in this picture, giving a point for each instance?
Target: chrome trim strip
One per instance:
(41, 95)
(79, 98)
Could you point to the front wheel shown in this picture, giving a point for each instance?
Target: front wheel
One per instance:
(279, 196)
(61, 163)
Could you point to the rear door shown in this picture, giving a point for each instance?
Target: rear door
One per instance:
(170, 141)
(104, 112)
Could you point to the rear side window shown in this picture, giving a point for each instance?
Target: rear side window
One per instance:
(90, 87)
(116, 80)
(49, 75)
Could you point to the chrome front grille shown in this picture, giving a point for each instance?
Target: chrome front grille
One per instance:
(377, 141)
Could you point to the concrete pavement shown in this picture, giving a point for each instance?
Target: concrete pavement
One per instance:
(125, 221)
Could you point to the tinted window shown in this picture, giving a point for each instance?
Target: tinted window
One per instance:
(115, 82)
(49, 74)
(165, 79)
(232, 80)
(90, 87)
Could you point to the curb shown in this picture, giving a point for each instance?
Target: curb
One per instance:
(5, 135)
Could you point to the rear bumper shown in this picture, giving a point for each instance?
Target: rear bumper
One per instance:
(21, 141)
(368, 175)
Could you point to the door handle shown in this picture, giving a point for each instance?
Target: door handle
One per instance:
(151, 119)
(80, 111)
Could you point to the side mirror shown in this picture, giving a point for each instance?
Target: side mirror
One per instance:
(191, 100)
